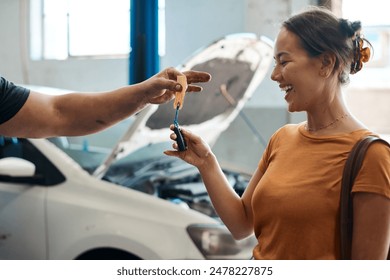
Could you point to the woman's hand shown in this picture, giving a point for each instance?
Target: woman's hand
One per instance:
(235, 212)
(162, 87)
(198, 152)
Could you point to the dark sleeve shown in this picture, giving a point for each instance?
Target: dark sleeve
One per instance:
(12, 99)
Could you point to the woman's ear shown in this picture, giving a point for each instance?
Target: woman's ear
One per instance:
(328, 61)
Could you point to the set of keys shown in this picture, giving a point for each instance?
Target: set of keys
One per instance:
(177, 105)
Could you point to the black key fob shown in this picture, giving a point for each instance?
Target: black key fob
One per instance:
(181, 143)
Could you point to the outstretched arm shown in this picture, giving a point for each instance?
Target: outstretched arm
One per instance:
(235, 211)
(84, 113)
(74, 113)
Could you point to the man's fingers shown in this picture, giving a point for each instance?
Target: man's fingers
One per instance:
(194, 88)
(192, 75)
(172, 73)
(197, 76)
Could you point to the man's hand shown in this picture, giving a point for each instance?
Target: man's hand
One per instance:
(162, 87)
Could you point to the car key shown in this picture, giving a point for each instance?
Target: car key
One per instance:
(181, 143)
(178, 104)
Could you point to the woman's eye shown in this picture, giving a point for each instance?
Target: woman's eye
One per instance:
(281, 62)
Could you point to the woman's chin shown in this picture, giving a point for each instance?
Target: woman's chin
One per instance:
(293, 109)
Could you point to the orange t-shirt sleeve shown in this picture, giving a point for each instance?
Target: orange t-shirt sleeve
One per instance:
(374, 176)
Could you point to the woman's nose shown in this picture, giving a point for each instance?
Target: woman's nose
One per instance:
(275, 75)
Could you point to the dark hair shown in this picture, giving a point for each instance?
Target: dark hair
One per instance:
(321, 31)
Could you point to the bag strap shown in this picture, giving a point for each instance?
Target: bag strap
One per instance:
(351, 169)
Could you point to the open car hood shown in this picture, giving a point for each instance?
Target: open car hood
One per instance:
(238, 63)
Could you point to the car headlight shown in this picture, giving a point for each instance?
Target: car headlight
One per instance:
(216, 242)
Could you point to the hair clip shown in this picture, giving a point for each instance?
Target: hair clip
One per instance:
(360, 55)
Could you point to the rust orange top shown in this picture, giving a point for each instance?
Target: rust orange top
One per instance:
(296, 203)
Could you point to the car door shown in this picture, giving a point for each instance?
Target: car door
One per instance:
(22, 201)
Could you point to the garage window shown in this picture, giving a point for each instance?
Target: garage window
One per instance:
(77, 28)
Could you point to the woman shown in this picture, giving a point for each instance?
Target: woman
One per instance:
(292, 200)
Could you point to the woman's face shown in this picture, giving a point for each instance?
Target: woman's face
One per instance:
(297, 74)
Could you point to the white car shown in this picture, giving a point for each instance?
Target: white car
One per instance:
(60, 200)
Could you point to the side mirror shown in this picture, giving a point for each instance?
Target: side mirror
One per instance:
(16, 167)
(17, 170)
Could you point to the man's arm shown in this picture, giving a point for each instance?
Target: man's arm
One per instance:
(84, 113)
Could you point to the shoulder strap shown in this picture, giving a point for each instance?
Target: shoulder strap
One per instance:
(351, 169)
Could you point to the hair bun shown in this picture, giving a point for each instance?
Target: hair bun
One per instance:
(348, 28)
